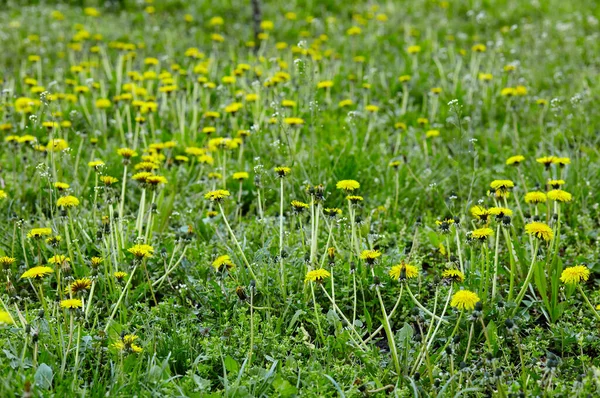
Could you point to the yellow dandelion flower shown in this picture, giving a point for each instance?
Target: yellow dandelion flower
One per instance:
(6, 318)
(482, 233)
(217, 196)
(282, 171)
(453, 275)
(575, 275)
(464, 300)
(370, 255)
(67, 201)
(141, 251)
(559, 195)
(39, 232)
(78, 286)
(515, 160)
(539, 230)
(403, 271)
(223, 262)
(348, 185)
(535, 197)
(37, 272)
(317, 275)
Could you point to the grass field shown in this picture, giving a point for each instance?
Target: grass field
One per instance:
(323, 198)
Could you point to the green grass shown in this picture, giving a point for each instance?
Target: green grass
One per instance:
(203, 331)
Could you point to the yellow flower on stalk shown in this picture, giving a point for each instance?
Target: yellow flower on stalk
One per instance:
(217, 196)
(482, 234)
(325, 84)
(453, 275)
(223, 262)
(108, 180)
(500, 211)
(37, 272)
(479, 48)
(299, 206)
(6, 261)
(370, 256)
(5, 318)
(539, 230)
(403, 271)
(67, 201)
(561, 161)
(515, 160)
(432, 133)
(61, 186)
(141, 251)
(119, 275)
(317, 275)
(535, 197)
(57, 145)
(293, 121)
(559, 195)
(555, 184)
(348, 185)
(141, 176)
(413, 49)
(96, 164)
(3, 194)
(79, 285)
(126, 153)
(502, 187)
(282, 171)
(546, 160)
(39, 232)
(575, 275)
(464, 300)
(103, 103)
(240, 176)
(155, 180)
(58, 259)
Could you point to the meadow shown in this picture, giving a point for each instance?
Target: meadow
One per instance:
(316, 199)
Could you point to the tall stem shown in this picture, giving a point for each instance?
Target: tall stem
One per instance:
(237, 243)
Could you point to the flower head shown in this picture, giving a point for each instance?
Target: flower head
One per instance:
(546, 160)
(58, 259)
(67, 201)
(575, 275)
(37, 233)
(317, 275)
(559, 195)
(240, 176)
(71, 303)
(348, 185)
(37, 272)
(6, 261)
(482, 234)
(6, 318)
(370, 256)
(223, 262)
(282, 171)
(539, 230)
(464, 300)
(78, 286)
(217, 196)
(299, 206)
(453, 275)
(501, 187)
(141, 251)
(480, 213)
(535, 197)
(404, 271)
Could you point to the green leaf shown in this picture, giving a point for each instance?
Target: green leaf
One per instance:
(43, 376)
(231, 365)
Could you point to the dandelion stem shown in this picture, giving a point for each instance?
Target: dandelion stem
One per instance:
(527, 279)
(237, 243)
